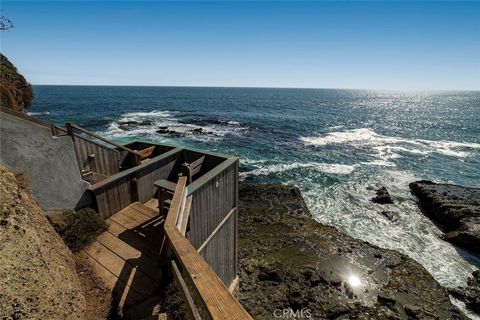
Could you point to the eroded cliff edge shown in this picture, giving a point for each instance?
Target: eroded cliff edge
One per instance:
(287, 260)
(15, 92)
(37, 273)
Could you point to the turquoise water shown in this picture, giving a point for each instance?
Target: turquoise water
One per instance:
(335, 145)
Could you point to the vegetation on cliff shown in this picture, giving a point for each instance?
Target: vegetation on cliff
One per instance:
(78, 228)
(15, 92)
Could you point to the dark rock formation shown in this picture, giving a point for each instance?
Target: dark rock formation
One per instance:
(382, 197)
(470, 294)
(289, 261)
(455, 209)
(15, 92)
(389, 215)
(130, 125)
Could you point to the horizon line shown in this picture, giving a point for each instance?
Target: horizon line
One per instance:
(249, 87)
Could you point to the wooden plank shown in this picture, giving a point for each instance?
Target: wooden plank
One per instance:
(172, 154)
(135, 239)
(126, 271)
(216, 298)
(233, 288)
(147, 152)
(184, 222)
(135, 215)
(90, 133)
(152, 204)
(152, 230)
(152, 213)
(125, 297)
(177, 201)
(192, 309)
(131, 254)
(214, 232)
(123, 220)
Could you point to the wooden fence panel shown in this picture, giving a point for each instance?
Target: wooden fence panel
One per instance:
(105, 161)
(214, 199)
(219, 251)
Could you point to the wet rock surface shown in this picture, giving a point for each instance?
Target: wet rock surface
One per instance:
(131, 125)
(288, 261)
(455, 209)
(471, 293)
(382, 197)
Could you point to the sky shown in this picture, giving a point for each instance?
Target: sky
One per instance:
(365, 45)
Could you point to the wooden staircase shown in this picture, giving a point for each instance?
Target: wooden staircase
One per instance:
(126, 255)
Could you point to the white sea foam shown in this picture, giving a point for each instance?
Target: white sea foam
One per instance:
(331, 168)
(348, 207)
(38, 113)
(149, 122)
(387, 148)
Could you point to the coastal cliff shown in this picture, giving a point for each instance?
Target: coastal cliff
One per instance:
(15, 92)
(38, 277)
(288, 261)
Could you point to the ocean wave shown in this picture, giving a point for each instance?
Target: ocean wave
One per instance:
(38, 113)
(172, 124)
(331, 168)
(348, 207)
(387, 147)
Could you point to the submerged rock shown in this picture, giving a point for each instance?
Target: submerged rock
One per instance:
(470, 294)
(455, 209)
(382, 197)
(307, 266)
(131, 125)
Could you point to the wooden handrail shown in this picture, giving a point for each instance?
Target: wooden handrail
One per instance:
(69, 126)
(217, 301)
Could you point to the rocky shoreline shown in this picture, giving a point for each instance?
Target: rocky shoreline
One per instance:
(291, 263)
(455, 209)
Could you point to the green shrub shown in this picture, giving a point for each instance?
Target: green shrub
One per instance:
(79, 228)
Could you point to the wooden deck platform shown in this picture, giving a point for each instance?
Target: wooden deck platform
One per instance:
(125, 256)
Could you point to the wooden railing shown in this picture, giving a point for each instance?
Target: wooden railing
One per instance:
(215, 299)
(135, 155)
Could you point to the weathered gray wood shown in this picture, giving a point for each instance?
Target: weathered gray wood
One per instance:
(216, 300)
(104, 161)
(214, 232)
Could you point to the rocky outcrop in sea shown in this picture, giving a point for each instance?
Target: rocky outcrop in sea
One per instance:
(455, 209)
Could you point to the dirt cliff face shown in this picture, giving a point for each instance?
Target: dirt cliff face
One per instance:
(37, 272)
(15, 92)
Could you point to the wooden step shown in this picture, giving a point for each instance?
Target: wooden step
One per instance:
(127, 272)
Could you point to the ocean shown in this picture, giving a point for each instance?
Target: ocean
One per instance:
(337, 146)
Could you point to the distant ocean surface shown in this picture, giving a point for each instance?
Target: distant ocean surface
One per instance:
(337, 146)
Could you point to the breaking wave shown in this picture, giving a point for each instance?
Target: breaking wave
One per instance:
(387, 148)
(38, 113)
(330, 168)
(167, 123)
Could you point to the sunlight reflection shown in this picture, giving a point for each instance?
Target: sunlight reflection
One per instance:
(354, 281)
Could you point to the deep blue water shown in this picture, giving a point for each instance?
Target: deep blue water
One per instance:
(336, 145)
